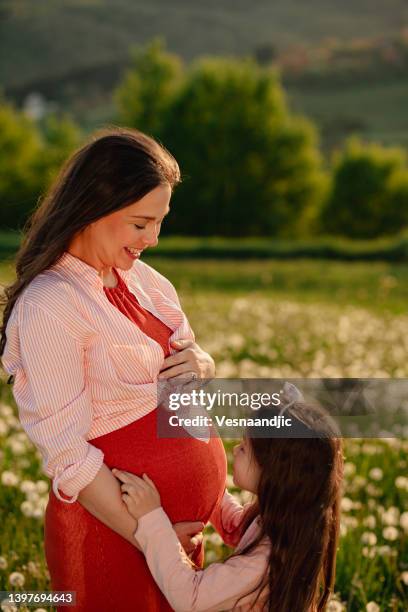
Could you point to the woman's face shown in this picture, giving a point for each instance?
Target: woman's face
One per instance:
(246, 470)
(119, 238)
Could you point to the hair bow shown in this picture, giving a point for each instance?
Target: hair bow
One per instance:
(289, 395)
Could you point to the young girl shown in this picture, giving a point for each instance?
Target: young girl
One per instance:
(286, 540)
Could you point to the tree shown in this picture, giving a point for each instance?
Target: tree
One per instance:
(20, 146)
(249, 166)
(30, 156)
(147, 88)
(369, 193)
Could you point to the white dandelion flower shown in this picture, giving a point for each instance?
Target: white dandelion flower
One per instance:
(17, 579)
(390, 533)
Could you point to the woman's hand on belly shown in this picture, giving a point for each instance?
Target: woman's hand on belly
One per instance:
(189, 358)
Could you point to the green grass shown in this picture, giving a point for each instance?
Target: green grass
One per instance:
(377, 286)
(375, 110)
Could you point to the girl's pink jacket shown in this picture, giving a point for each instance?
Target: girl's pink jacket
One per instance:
(217, 587)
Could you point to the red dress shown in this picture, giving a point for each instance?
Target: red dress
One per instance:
(84, 555)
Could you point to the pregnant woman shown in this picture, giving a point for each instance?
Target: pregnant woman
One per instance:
(88, 329)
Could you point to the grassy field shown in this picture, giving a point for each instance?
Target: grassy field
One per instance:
(266, 319)
(374, 110)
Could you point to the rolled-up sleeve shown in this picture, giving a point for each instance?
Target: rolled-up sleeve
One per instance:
(54, 405)
(216, 588)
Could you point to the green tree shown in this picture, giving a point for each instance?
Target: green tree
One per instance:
(20, 146)
(60, 136)
(369, 193)
(148, 86)
(30, 156)
(249, 166)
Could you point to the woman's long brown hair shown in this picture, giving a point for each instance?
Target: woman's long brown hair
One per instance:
(298, 501)
(115, 169)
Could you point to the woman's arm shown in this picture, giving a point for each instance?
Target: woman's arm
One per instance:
(102, 498)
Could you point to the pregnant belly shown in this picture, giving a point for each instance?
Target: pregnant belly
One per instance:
(190, 474)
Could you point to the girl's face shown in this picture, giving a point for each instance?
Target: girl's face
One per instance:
(246, 471)
(108, 241)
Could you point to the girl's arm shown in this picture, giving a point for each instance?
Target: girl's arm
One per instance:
(227, 518)
(217, 587)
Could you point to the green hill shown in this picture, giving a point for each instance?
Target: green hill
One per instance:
(74, 52)
(51, 40)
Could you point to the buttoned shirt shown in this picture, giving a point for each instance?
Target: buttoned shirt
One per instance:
(81, 367)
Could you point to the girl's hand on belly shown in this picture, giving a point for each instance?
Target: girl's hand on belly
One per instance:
(189, 534)
(139, 494)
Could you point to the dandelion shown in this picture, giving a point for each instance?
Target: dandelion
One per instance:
(368, 537)
(369, 551)
(9, 479)
(376, 473)
(27, 508)
(6, 606)
(26, 486)
(215, 539)
(404, 578)
(370, 522)
(373, 490)
(38, 513)
(404, 521)
(211, 556)
(346, 504)
(391, 516)
(4, 428)
(372, 607)
(3, 563)
(386, 551)
(33, 569)
(349, 469)
(42, 486)
(17, 447)
(335, 606)
(390, 533)
(16, 579)
(6, 410)
(33, 496)
(401, 482)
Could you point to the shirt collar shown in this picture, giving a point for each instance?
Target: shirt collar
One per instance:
(85, 271)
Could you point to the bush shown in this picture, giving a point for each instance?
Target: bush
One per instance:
(30, 155)
(369, 194)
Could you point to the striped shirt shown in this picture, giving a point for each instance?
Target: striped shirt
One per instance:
(81, 367)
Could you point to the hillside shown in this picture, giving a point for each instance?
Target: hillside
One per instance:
(48, 41)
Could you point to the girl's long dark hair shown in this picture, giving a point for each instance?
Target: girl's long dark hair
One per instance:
(115, 169)
(298, 500)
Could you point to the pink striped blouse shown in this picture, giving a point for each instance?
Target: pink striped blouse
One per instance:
(81, 367)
